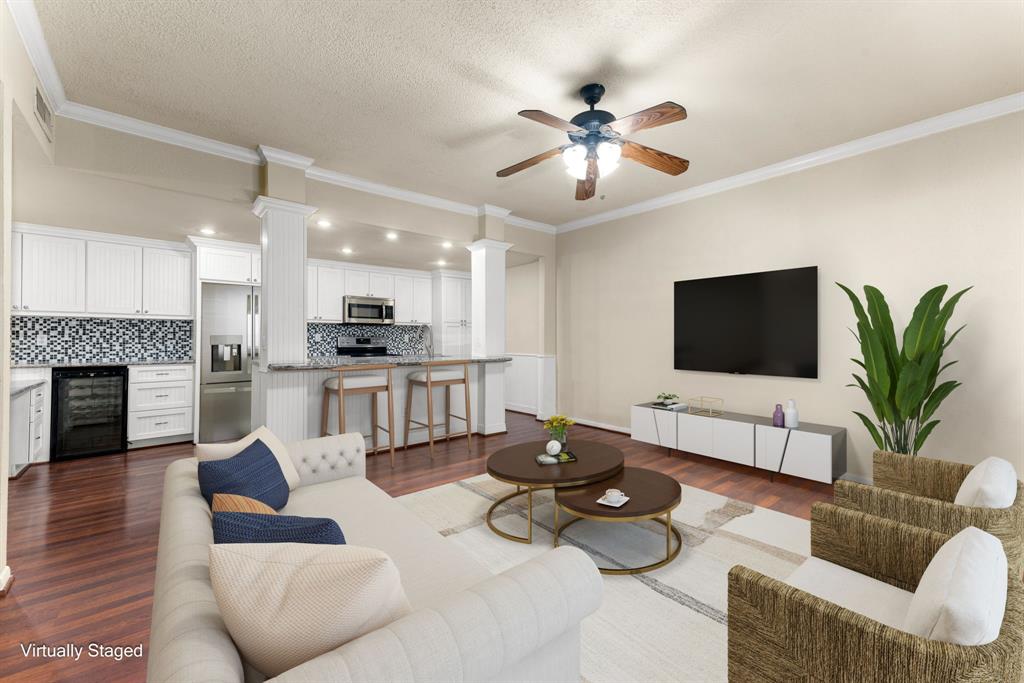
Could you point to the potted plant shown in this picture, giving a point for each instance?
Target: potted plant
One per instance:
(901, 383)
(667, 399)
(558, 427)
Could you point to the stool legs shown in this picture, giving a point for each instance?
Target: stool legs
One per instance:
(469, 429)
(408, 413)
(325, 407)
(373, 420)
(391, 420)
(430, 418)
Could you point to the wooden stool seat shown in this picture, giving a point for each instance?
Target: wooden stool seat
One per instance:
(346, 383)
(430, 378)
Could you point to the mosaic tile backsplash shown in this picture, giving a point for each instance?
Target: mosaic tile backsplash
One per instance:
(98, 340)
(402, 340)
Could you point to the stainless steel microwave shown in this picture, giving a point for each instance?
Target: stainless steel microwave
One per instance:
(369, 310)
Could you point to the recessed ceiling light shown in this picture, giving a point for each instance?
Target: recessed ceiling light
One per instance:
(442, 262)
(392, 236)
(207, 230)
(446, 245)
(323, 223)
(346, 250)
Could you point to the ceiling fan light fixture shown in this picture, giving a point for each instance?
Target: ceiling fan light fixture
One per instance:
(575, 158)
(608, 155)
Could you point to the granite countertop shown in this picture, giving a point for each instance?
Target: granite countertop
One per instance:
(80, 364)
(329, 362)
(18, 388)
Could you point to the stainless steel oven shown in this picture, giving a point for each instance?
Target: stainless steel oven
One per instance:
(369, 310)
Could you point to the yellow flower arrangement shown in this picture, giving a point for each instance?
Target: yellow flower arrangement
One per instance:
(558, 425)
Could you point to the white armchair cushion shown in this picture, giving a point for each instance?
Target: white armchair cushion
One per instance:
(961, 597)
(221, 451)
(286, 603)
(991, 484)
(874, 599)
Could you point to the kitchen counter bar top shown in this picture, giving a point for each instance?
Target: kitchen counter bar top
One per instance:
(18, 388)
(329, 362)
(84, 364)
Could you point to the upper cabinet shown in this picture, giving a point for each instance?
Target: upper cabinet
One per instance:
(456, 299)
(229, 265)
(121, 277)
(113, 278)
(382, 285)
(330, 286)
(369, 283)
(327, 285)
(52, 274)
(412, 300)
(166, 282)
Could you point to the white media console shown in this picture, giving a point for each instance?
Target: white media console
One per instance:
(810, 451)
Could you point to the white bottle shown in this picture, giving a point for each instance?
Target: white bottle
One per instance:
(792, 416)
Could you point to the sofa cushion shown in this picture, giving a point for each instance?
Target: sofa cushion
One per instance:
(206, 452)
(874, 599)
(229, 502)
(253, 473)
(961, 597)
(248, 527)
(992, 483)
(287, 603)
(432, 567)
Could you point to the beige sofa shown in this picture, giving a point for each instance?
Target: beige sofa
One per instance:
(466, 625)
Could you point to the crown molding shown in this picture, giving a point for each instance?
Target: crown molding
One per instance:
(94, 236)
(196, 241)
(264, 204)
(272, 155)
(152, 131)
(26, 21)
(531, 225)
(895, 136)
(491, 210)
(353, 183)
(482, 244)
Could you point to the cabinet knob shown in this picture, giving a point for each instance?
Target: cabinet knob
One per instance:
(248, 279)
(138, 311)
(25, 307)
(146, 311)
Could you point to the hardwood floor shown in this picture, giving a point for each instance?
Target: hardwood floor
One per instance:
(83, 534)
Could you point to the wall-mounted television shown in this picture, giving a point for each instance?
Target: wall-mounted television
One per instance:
(756, 323)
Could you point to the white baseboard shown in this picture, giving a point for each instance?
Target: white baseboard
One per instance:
(521, 408)
(602, 425)
(5, 578)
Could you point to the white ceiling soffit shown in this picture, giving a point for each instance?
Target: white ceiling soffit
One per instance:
(27, 22)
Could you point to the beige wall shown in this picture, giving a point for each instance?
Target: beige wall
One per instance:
(943, 209)
(522, 293)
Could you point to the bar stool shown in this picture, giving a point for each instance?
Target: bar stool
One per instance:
(342, 386)
(431, 378)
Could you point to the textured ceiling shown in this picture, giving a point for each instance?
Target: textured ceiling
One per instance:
(422, 94)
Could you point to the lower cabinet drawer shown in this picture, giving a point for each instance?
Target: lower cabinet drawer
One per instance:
(152, 424)
(36, 435)
(158, 373)
(159, 396)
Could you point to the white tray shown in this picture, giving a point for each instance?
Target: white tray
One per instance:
(602, 500)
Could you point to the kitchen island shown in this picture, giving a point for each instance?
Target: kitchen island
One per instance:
(306, 377)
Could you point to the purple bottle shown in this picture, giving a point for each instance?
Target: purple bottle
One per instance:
(779, 418)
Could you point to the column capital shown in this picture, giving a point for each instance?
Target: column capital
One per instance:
(491, 210)
(272, 155)
(489, 244)
(264, 204)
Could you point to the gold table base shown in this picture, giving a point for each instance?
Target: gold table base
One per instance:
(529, 514)
(670, 531)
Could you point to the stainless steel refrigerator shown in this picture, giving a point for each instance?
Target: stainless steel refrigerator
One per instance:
(229, 346)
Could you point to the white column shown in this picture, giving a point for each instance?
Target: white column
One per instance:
(279, 398)
(488, 271)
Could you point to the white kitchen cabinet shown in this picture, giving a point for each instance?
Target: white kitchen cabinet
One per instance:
(404, 305)
(357, 283)
(113, 278)
(19, 434)
(256, 267)
(331, 287)
(16, 271)
(52, 274)
(160, 400)
(159, 395)
(166, 282)
(382, 285)
(311, 289)
(154, 424)
(652, 425)
(456, 299)
(421, 301)
(138, 374)
(456, 339)
(227, 265)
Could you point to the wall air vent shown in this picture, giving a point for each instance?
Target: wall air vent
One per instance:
(44, 115)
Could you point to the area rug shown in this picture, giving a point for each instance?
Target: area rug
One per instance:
(666, 625)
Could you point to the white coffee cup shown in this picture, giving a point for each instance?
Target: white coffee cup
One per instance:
(614, 495)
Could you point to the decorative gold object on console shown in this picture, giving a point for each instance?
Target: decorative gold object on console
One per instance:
(705, 405)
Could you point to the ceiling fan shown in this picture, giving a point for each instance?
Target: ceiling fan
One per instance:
(596, 141)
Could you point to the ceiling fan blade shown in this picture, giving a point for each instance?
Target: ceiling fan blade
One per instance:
(550, 120)
(532, 161)
(585, 189)
(656, 159)
(659, 115)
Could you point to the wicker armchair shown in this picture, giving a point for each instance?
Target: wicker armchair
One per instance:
(920, 491)
(781, 633)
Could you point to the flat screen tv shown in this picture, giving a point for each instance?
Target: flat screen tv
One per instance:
(756, 324)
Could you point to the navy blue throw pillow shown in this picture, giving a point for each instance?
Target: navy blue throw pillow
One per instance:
(253, 473)
(251, 527)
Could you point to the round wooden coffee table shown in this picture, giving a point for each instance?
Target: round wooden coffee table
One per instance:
(516, 465)
(652, 495)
